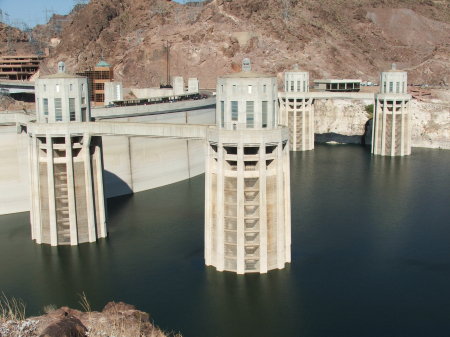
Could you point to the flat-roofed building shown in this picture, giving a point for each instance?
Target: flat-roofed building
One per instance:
(337, 85)
(102, 73)
(19, 67)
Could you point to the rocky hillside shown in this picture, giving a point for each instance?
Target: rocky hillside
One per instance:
(329, 38)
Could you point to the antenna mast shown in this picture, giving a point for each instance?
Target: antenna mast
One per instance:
(168, 45)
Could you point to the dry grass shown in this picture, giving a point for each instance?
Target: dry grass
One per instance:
(118, 323)
(85, 305)
(11, 308)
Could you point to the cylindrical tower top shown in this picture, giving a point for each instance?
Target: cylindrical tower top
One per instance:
(393, 81)
(296, 81)
(62, 97)
(247, 100)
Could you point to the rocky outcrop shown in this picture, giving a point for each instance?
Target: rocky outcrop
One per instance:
(116, 319)
(329, 38)
(348, 122)
(340, 121)
(65, 327)
(431, 124)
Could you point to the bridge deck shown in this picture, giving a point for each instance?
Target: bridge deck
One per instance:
(165, 130)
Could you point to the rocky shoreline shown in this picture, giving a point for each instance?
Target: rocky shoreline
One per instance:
(116, 319)
(348, 122)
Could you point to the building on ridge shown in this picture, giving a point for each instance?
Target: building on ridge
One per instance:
(247, 203)
(102, 73)
(19, 67)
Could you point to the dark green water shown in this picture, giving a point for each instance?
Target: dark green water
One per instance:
(371, 255)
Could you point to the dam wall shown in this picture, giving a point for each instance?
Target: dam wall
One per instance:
(131, 164)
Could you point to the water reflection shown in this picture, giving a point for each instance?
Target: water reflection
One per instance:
(370, 255)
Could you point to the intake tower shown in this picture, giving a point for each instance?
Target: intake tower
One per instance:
(247, 204)
(297, 110)
(66, 172)
(391, 127)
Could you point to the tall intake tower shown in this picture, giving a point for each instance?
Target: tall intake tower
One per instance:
(391, 127)
(66, 170)
(297, 110)
(247, 203)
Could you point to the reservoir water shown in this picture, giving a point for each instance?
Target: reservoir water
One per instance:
(370, 255)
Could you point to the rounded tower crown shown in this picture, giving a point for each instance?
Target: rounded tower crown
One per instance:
(62, 97)
(393, 81)
(247, 100)
(296, 81)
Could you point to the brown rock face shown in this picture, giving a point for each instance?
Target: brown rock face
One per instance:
(329, 38)
(116, 319)
(67, 326)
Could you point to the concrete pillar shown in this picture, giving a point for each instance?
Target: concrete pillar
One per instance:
(393, 140)
(263, 263)
(71, 192)
(220, 233)
(240, 256)
(101, 193)
(51, 193)
(208, 196)
(280, 209)
(287, 202)
(90, 205)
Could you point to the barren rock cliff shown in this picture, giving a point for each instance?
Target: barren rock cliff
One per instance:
(329, 38)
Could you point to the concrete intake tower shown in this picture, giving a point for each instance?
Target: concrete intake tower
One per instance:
(297, 110)
(247, 201)
(391, 127)
(66, 172)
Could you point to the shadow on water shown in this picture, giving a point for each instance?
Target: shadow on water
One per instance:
(370, 240)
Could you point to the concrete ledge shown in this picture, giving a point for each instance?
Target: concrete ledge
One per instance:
(15, 117)
(161, 108)
(328, 95)
(248, 136)
(181, 131)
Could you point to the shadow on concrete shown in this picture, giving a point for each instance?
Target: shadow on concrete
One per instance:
(338, 138)
(114, 186)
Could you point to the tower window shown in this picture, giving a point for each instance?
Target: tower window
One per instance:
(45, 106)
(298, 85)
(292, 85)
(264, 114)
(58, 110)
(222, 113)
(273, 114)
(250, 114)
(398, 88)
(234, 110)
(72, 109)
(391, 86)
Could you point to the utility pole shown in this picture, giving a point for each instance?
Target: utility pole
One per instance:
(168, 45)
